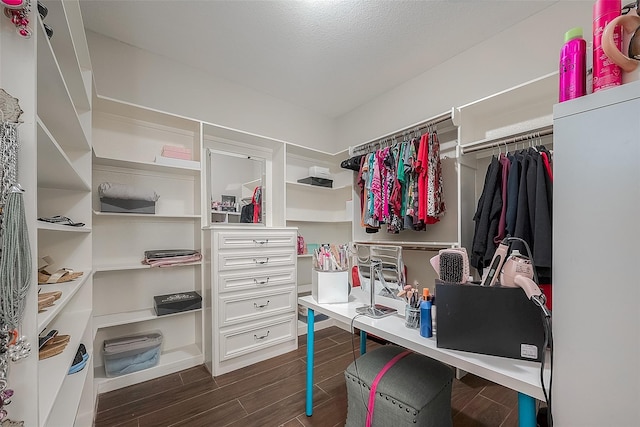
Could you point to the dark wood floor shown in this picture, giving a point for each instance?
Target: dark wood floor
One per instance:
(272, 393)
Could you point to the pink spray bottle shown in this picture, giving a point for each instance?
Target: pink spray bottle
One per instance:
(573, 66)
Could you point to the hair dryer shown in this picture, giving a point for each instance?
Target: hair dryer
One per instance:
(515, 271)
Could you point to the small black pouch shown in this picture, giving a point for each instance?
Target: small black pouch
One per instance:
(352, 163)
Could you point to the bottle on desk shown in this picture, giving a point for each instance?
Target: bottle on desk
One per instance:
(425, 315)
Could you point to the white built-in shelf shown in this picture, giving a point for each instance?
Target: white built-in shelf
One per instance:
(68, 399)
(66, 55)
(140, 215)
(316, 217)
(146, 166)
(115, 319)
(68, 290)
(55, 169)
(416, 245)
(53, 370)
(305, 187)
(305, 256)
(60, 117)
(170, 361)
(49, 226)
(138, 266)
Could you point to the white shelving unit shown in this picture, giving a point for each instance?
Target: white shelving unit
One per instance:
(321, 214)
(52, 79)
(127, 139)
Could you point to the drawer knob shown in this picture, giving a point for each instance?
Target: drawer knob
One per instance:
(260, 306)
(257, 338)
(261, 242)
(266, 260)
(262, 282)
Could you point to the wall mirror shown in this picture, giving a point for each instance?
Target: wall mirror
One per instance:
(237, 188)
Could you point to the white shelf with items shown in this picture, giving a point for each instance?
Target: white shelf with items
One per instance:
(127, 140)
(225, 217)
(68, 289)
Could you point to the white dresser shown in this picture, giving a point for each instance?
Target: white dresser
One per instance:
(254, 295)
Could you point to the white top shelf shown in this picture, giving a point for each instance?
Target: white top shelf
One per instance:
(301, 186)
(416, 245)
(147, 166)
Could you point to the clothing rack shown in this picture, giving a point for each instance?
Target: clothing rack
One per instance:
(539, 133)
(368, 146)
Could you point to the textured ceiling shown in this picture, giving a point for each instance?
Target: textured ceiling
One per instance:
(326, 56)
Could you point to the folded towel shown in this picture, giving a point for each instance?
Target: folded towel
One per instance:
(124, 191)
(166, 253)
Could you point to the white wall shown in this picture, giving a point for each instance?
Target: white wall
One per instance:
(131, 74)
(522, 53)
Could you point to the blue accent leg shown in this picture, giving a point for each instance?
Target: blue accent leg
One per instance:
(526, 411)
(363, 342)
(310, 339)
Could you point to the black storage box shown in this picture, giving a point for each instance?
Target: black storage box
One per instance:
(175, 303)
(320, 182)
(489, 320)
(108, 204)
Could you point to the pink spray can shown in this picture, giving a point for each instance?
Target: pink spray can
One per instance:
(573, 66)
(606, 74)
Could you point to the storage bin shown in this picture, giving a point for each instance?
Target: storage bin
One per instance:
(108, 204)
(131, 353)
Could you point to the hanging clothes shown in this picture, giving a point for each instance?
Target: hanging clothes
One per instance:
(516, 200)
(402, 185)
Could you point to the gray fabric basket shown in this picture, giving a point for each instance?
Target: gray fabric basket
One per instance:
(415, 391)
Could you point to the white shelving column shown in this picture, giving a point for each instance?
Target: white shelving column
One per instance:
(127, 140)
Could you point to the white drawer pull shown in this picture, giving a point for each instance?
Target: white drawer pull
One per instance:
(262, 282)
(261, 242)
(260, 306)
(257, 338)
(261, 262)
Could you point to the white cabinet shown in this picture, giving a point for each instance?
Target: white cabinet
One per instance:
(595, 230)
(253, 298)
(127, 141)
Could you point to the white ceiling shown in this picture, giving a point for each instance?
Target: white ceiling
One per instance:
(326, 56)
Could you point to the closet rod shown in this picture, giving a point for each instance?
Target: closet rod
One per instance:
(510, 140)
(365, 147)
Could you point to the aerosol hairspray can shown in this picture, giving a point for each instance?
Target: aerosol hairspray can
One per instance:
(606, 74)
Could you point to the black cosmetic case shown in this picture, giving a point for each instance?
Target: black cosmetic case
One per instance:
(175, 303)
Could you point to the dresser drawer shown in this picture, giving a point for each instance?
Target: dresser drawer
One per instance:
(249, 306)
(235, 342)
(256, 239)
(234, 260)
(255, 279)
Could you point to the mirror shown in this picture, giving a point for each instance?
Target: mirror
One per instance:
(236, 183)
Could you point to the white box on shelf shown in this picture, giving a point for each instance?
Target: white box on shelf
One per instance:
(319, 172)
(330, 286)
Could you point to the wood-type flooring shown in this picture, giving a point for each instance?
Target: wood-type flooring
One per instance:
(272, 393)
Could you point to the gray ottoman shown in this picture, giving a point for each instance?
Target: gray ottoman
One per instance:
(415, 391)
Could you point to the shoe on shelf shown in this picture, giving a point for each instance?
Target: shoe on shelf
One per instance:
(61, 275)
(53, 347)
(80, 360)
(45, 301)
(59, 219)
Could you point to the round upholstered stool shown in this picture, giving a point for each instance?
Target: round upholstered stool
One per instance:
(413, 391)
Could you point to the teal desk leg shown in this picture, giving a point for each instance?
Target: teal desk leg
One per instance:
(526, 411)
(310, 339)
(363, 342)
